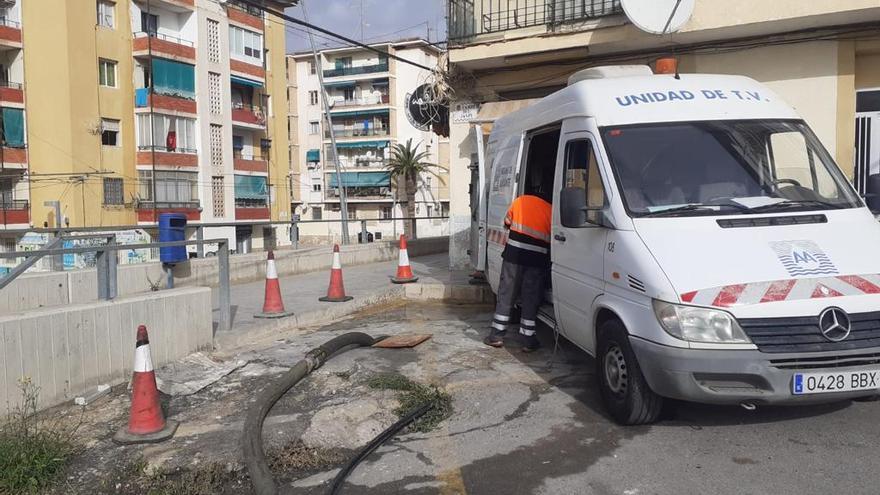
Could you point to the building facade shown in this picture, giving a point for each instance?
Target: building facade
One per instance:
(822, 57)
(367, 93)
(122, 110)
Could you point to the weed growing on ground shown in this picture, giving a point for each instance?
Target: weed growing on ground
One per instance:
(413, 395)
(34, 450)
(296, 456)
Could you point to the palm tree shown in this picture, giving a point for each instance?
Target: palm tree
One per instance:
(406, 166)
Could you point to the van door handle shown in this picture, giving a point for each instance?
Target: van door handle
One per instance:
(559, 237)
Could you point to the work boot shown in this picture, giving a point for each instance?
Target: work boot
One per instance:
(530, 343)
(527, 330)
(495, 338)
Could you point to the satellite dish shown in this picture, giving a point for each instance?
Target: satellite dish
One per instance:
(422, 109)
(658, 16)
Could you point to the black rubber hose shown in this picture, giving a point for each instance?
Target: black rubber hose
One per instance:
(376, 442)
(252, 439)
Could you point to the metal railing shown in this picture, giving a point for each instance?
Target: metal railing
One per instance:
(4, 21)
(247, 106)
(361, 102)
(166, 149)
(165, 37)
(347, 133)
(471, 18)
(5, 83)
(184, 205)
(250, 9)
(106, 265)
(357, 70)
(14, 204)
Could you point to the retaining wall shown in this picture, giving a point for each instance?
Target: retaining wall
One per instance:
(67, 351)
(41, 290)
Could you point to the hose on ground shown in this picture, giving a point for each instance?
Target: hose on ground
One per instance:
(252, 439)
(375, 443)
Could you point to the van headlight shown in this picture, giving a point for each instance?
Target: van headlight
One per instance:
(695, 324)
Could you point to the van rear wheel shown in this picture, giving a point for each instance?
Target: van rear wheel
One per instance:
(626, 394)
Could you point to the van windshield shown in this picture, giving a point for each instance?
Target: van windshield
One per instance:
(724, 168)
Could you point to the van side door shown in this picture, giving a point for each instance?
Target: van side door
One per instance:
(579, 238)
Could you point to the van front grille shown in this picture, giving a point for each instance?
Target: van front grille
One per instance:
(834, 361)
(801, 334)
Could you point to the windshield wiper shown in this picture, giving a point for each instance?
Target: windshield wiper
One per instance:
(795, 203)
(681, 209)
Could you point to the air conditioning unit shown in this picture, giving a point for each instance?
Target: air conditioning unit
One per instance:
(377, 236)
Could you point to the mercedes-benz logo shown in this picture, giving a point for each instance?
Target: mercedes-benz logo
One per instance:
(834, 324)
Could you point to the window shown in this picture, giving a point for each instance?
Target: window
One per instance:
(386, 212)
(245, 45)
(113, 193)
(218, 197)
(348, 94)
(12, 125)
(173, 78)
(216, 146)
(352, 213)
(312, 68)
(314, 127)
(106, 14)
(582, 185)
(215, 93)
(109, 132)
(317, 213)
(149, 23)
(171, 187)
(429, 210)
(168, 134)
(316, 187)
(214, 41)
(313, 97)
(107, 73)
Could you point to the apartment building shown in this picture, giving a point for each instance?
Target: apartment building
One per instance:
(822, 57)
(123, 110)
(368, 93)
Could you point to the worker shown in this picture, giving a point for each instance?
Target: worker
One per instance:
(524, 270)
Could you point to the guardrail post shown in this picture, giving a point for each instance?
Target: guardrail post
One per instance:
(294, 234)
(112, 263)
(364, 234)
(415, 222)
(56, 262)
(200, 247)
(225, 317)
(102, 267)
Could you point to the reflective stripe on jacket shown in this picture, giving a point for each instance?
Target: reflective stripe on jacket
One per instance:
(528, 243)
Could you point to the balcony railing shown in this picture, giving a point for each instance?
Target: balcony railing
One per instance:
(250, 9)
(165, 149)
(357, 70)
(361, 102)
(167, 205)
(14, 204)
(9, 23)
(164, 37)
(251, 203)
(11, 85)
(348, 133)
(470, 18)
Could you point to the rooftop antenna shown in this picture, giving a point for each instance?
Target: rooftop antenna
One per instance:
(658, 16)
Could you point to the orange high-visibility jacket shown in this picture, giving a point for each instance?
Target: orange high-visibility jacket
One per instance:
(528, 243)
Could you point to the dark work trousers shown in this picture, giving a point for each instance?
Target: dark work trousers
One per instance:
(525, 283)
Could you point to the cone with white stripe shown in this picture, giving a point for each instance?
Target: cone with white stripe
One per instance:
(404, 271)
(336, 290)
(146, 421)
(273, 306)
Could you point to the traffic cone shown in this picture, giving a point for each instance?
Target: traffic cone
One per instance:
(404, 272)
(146, 422)
(273, 306)
(336, 291)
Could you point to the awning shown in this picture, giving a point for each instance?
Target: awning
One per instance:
(362, 179)
(251, 187)
(346, 84)
(359, 113)
(364, 144)
(313, 156)
(246, 82)
(380, 82)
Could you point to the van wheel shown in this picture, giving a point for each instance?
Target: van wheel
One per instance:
(626, 394)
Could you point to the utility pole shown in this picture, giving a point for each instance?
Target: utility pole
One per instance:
(343, 201)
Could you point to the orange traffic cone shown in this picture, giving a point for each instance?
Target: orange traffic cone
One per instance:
(146, 422)
(404, 272)
(273, 306)
(336, 291)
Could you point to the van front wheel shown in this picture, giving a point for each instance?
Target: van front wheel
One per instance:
(626, 394)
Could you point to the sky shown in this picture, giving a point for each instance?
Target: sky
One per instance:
(383, 20)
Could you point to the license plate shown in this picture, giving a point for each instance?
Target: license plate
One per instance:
(842, 381)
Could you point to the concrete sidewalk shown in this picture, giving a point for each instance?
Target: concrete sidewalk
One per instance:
(369, 284)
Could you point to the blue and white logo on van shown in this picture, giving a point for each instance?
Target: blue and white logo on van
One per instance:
(803, 258)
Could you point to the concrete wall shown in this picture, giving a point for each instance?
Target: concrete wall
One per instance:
(80, 286)
(66, 351)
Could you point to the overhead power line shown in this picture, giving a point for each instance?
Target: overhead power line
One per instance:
(282, 15)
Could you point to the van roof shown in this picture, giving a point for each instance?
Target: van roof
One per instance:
(651, 99)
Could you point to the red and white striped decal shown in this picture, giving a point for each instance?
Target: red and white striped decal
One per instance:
(497, 236)
(784, 290)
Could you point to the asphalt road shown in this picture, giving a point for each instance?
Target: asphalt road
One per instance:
(535, 424)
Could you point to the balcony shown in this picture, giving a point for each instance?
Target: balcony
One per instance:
(163, 156)
(361, 102)
(247, 70)
(11, 92)
(14, 156)
(173, 5)
(10, 34)
(242, 13)
(469, 19)
(248, 115)
(147, 213)
(158, 101)
(245, 210)
(163, 45)
(14, 212)
(247, 163)
(357, 133)
(357, 70)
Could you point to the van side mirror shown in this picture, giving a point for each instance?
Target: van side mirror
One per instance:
(575, 213)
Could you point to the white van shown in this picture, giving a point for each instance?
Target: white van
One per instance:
(705, 245)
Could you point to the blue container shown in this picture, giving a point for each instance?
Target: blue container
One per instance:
(172, 227)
